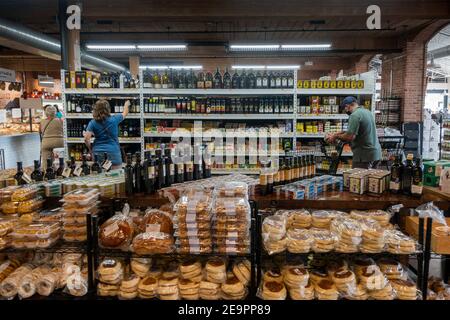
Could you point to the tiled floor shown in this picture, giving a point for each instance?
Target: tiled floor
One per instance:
(24, 147)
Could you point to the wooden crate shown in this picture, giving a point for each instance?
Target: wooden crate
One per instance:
(439, 244)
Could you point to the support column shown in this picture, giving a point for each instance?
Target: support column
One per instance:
(134, 62)
(73, 52)
(62, 6)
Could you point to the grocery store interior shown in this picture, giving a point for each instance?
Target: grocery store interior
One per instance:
(224, 150)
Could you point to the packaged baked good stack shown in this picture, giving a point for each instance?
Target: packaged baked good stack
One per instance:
(7, 225)
(117, 232)
(35, 235)
(349, 234)
(157, 235)
(110, 274)
(231, 219)
(78, 204)
(274, 234)
(192, 222)
(22, 201)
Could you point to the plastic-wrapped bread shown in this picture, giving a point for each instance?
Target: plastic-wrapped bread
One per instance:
(10, 286)
(27, 286)
(8, 267)
(76, 283)
(48, 283)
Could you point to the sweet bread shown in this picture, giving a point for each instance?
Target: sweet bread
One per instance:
(326, 290)
(385, 293)
(392, 269)
(344, 280)
(317, 275)
(107, 290)
(302, 293)
(404, 289)
(189, 289)
(273, 274)
(209, 290)
(116, 232)
(273, 290)
(110, 271)
(273, 228)
(147, 288)
(140, 266)
(298, 241)
(233, 289)
(168, 288)
(153, 243)
(295, 277)
(357, 292)
(158, 219)
(321, 219)
(372, 278)
(242, 271)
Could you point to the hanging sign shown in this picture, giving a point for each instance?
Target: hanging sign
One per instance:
(7, 75)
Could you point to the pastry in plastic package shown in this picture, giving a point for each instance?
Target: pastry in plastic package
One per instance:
(74, 219)
(326, 290)
(274, 246)
(7, 224)
(9, 287)
(399, 243)
(273, 274)
(300, 218)
(192, 270)
(232, 189)
(129, 287)
(76, 283)
(298, 240)
(116, 232)
(372, 236)
(153, 243)
(74, 237)
(348, 230)
(193, 227)
(336, 265)
(216, 270)
(231, 235)
(110, 271)
(193, 233)
(391, 268)
(194, 241)
(53, 215)
(6, 193)
(209, 290)
(168, 288)
(242, 226)
(295, 276)
(272, 290)
(321, 219)
(356, 292)
(233, 249)
(404, 289)
(323, 240)
(147, 287)
(72, 209)
(233, 289)
(27, 286)
(189, 207)
(318, 274)
(385, 293)
(345, 281)
(372, 278)
(189, 290)
(381, 216)
(48, 283)
(361, 264)
(236, 207)
(30, 205)
(107, 290)
(194, 249)
(81, 197)
(9, 207)
(274, 228)
(156, 219)
(24, 193)
(302, 292)
(242, 270)
(7, 267)
(37, 231)
(141, 266)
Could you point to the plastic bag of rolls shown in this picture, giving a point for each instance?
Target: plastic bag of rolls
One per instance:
(274, 234)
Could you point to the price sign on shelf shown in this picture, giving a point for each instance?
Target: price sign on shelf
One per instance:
(16, 113)
(2, 116)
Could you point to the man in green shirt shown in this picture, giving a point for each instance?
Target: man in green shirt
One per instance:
(361, 134)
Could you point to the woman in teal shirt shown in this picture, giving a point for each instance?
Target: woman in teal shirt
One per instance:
(105, 128)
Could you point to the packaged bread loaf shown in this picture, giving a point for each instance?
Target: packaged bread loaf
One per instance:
(231, 189)
(153, 243)
(116, 232)
(154, 218)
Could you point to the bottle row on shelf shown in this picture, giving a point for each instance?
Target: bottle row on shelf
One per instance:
(93, 80)
(80, 104)
(407, 177)
(128, 128)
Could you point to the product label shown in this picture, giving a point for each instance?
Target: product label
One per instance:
(415, 189)
(77, 171)
(192, 233)
(26, 178)
(153, 227)
(107, 165)
(230, 242)
(394, 185)
(151, 172)
(172, 169)
(66, 172)
(262, 179)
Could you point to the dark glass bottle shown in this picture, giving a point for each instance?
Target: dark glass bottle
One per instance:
(395, 185)
(19, 174)
(161, 169)
(251, 80)
(243, 80)
(96, 168)
(60, 169)
(137, 171)
(217, 83)
(129, 175)
(37, 174)
(85, 169)
(208, 80)
(235, 81)
(49, 172)
(170, 168)
(188, 167)
(227, 80)
(313, 166)
(407, 175)
(265, 80)
(259, 80)
(417, 180)
(306, 167)
(149, 172)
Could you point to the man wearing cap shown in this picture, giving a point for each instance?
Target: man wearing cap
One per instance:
(361, 134)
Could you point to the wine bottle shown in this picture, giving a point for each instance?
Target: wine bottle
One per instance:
(170, 168)
(251, 80)
(19, 174)
(407, 175)
(201, 80)
(49, 172)
(96, 168)
(161, 170)
(265, 80)
(417, 180)
(235, 81)
(37, 174)
(395, 184)
(208, 80)
(243, 80)
(60, 169)
(138, 178)
(227, 80)
(217, 83)
(129, 175)
(259, 80)
(85, 169)
(149, 168)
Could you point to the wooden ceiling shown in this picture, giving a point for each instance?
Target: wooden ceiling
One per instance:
(206, 25)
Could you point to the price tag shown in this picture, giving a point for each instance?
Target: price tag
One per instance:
(26, 178)
(77, 171)
(16, 113)
(2, 116)
(111, 229)
(107, 165)
(66, 172)
(153, 227)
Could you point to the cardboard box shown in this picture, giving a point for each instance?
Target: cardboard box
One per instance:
(378, 181)
(434, 168)
(439, 244)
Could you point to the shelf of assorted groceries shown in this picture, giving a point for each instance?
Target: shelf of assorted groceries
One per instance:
(242, 103)
(130, 235)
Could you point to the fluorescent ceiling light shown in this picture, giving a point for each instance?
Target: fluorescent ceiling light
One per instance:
(306, 46)
(196, 67)
(46, 82)
(112, 47)
(284, 67)
(153, 67)
(248, 67)
(251, 47)
(151, 47)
